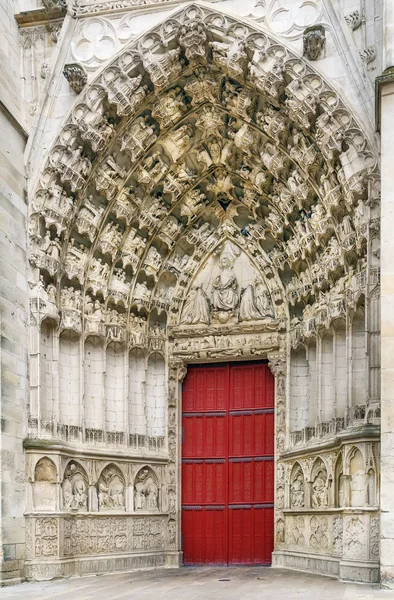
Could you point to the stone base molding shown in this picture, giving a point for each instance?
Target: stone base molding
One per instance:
(364, 572)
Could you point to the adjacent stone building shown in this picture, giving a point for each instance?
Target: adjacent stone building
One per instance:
(193, 193)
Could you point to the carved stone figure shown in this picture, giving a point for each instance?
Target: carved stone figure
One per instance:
(231, 57)
(146, 491)
(142, 292)
(196, 309)
(297, 489)
(125, 92)
(177, 141)
(109, 176)
(74, 488)
(225, 295)
(162, 68)
(320, 489)
(111, 489)
(202, 86)
(248, 310)
(137, 138)
(314, 41)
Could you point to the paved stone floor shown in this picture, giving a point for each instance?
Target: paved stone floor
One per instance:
(207, 583)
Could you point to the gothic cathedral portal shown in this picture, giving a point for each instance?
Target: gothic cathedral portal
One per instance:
(228, 464)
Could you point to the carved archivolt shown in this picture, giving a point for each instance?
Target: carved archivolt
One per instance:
(193, 135)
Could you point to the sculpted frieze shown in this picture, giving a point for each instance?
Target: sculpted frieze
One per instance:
(319, 537)
(209, 344)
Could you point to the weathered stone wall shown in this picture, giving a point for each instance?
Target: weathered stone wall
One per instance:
(14, 307)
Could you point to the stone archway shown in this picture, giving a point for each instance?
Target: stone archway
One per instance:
(204, 139)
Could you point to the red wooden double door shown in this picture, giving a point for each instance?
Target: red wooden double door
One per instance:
(228, 464)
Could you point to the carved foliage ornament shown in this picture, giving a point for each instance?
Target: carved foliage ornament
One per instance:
(76, 76)
(314, 42)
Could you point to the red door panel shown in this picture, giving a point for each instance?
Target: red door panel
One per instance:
(227, 464)
(204, 482)
(204, 435)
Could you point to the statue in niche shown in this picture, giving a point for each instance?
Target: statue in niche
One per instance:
(320, 489)
(111, 490)
(255, 302)
(297, 489)
(232, 57)
(51, 247)
(225, 295)
(196, 309)
(162, 67)
(142, 292)
(74, 488)
(146, 491)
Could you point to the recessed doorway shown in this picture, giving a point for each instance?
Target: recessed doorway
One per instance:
(228, 464)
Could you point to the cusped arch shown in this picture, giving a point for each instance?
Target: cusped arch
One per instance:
(146, 490)
(297, 486)
(320, 484)
(111, 489)
(44, 486)
(75, 486)
(45, 470)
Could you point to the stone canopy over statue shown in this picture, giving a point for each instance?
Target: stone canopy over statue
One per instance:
(227, 291)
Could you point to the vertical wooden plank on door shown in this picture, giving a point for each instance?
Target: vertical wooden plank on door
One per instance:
(204, 456)
(251, 462)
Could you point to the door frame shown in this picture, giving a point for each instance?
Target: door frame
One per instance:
(246, 344)
(214, 364)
